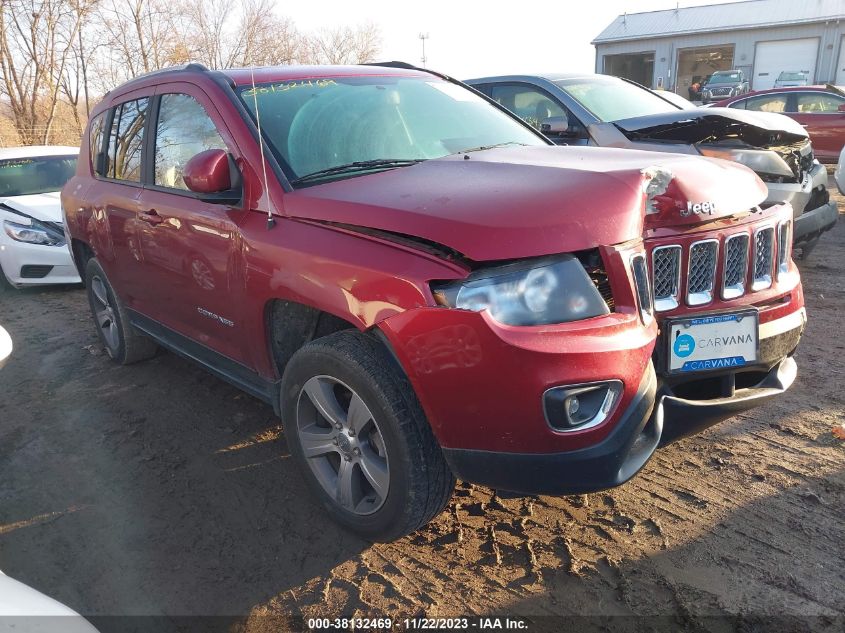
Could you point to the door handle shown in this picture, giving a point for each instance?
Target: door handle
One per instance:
(151, 217)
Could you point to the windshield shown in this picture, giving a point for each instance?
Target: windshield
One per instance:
(784, 76)
(724, 78)
(314, 125)
(37, 174)
(611, 99)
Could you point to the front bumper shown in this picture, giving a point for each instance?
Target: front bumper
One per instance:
(808, 198)
(609, 463)
(35, 264)
(653, 419)
(813, 223)
(661, 412)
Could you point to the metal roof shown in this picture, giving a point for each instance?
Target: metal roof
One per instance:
(720, 17)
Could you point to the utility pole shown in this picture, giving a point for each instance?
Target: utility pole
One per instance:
(423, 38)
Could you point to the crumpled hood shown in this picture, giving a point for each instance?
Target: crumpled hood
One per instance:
(509, 203)
(42, 206)
(760, 129)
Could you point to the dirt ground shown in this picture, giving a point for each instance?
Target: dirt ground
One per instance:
(159, 490)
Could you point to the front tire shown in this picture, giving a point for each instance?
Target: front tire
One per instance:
(360, 436)
(123, 343)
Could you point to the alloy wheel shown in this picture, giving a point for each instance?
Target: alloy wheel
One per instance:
(343, 445)
(104, 313)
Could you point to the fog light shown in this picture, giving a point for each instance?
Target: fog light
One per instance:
(580, 407)
(572, 405)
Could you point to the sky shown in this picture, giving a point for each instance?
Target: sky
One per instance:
(468, 38)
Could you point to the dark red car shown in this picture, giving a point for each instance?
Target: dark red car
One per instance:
(820, 109)
(423, 286)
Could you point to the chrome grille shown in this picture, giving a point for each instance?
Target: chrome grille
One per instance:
(640, 270)
(701, 272)
(735, 266)
(763, 252)
(784, 246)
(746, 261)
(666, 276)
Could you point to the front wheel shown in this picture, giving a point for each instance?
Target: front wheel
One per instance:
(361, 438)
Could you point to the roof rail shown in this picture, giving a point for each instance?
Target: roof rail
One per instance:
(407, 66)
(194, 66)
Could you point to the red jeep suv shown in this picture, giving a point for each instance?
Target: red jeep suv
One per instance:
(423, 286)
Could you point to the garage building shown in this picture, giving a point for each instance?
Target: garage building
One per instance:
(675, 48)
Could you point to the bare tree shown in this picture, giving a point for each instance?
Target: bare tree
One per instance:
(141, 36)
(344, 45)
(74, 82)
(230, 33)
(34, 36)
(56, 55)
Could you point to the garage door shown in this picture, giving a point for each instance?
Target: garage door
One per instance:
(771, 58)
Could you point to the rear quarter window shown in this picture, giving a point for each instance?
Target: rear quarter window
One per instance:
(95, 142)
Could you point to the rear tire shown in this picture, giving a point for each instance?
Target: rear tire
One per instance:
(372, 460)
(123, 343)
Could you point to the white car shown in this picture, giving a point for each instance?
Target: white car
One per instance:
(5, 346)
(25, 610)
(839, 172)
(33, 250)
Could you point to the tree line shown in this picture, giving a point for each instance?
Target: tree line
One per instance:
(58, 57)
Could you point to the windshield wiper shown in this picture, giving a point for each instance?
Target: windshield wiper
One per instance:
(358, 165)
(495, 145)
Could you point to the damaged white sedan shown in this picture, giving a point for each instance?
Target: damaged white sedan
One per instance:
(33, 249)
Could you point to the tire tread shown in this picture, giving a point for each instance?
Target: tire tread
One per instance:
(431, 488)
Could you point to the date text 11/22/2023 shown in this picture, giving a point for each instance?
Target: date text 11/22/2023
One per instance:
(481, 623)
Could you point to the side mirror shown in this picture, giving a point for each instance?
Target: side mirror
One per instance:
(841, 108)
(213, 176)
(554, 125)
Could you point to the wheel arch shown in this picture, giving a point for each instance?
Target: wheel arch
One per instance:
(82, 252)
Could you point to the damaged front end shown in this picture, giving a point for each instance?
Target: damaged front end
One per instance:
(775, 147)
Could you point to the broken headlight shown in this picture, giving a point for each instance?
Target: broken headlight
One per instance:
(763, 162)
(539, 292)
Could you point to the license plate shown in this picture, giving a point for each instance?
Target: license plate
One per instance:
(716, 341)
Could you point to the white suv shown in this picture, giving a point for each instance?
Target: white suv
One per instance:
(33, 249)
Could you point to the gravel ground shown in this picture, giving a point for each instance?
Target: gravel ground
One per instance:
(159, 490)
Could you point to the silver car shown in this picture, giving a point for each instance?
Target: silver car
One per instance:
(789, 78)
(586, 109)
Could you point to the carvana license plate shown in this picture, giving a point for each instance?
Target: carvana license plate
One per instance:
(717, 341)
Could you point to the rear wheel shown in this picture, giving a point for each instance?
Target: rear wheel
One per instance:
(359, 433)
(123, 343)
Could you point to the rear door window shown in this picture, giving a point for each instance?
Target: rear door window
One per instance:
(126, 140)
(767, 103)
(184, 129)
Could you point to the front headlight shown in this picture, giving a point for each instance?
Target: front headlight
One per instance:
(539, 292)
(764, 162)
(32, 234)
